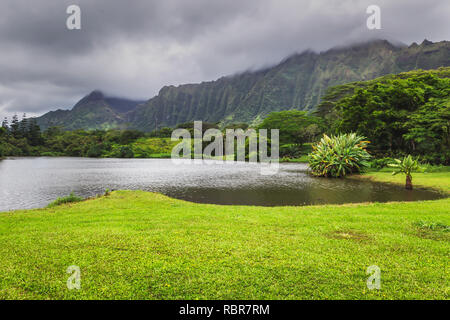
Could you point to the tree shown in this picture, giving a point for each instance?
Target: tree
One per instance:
(429, 131)
(5, 123)
(95, 151)
(292, 124)
(33, 133)
(407, 165)
(2, 134)
(311, 132)
(162, 133)
(408, 113)
(128, 136)
(14, 127)
(23, 126)
(126, 152)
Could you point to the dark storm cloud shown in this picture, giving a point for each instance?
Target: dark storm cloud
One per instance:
(133, 48)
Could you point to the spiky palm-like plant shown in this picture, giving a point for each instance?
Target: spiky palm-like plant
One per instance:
(337, 156)
(407, 165)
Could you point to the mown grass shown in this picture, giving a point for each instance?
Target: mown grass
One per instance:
(302, 159)
(436, 180)
(139, 245)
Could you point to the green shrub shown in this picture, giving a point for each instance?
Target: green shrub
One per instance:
(126, 152)
(428, 168)
(95, 151)
(121, 151)
(69, 199)
(337, 156)
(380, 163)
(294, 151)
(290, 151)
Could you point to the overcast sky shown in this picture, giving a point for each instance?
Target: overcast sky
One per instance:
(133, 48)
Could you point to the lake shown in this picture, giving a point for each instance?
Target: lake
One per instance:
(34, 182)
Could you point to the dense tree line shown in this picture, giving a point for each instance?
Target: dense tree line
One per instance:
(400, 114)
(24, 138)
(19, 137)
(403, 114)
(296, 128)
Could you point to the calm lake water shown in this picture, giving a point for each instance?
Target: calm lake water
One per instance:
(34, 182)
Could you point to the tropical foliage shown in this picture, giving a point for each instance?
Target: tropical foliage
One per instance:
(296, 127)
(24, 138)
(297, 130)
(402, 114)
(407, 165)
(337, 156)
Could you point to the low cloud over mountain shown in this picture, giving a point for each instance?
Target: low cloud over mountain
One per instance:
(134, 49)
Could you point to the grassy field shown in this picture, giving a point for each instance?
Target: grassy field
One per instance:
(436, 180)
(153, 147)
(139, 245)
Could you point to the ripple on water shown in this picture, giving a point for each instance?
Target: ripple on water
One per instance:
(34, 182)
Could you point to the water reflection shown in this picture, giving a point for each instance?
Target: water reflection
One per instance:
(34, 182)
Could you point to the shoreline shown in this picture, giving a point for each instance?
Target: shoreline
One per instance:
(143, 245)
(443, 185)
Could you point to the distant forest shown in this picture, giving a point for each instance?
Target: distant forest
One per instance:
(408, 113)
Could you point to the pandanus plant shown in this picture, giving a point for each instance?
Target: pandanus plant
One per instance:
(407, 165)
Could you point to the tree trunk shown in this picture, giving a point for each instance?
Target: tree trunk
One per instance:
(409, 185)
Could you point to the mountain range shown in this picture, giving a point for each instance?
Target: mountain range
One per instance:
(298, 82)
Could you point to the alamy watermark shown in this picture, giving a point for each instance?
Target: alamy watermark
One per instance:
(73, 22)
(374, 20)
(374, 281)
(74, 281)
(226, 151)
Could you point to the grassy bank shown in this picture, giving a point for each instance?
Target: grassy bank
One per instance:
(139, 245)
(436, 180)
(153, 147)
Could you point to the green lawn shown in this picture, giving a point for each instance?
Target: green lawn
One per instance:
(153, 147)
(139, 245)
(435, 180)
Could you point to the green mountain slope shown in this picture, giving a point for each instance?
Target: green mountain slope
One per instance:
(95, 111)
(298, 82)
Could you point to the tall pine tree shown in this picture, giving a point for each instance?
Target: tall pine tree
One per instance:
(34, 133)
(23, 126)
(14, 127)
(5, 123)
